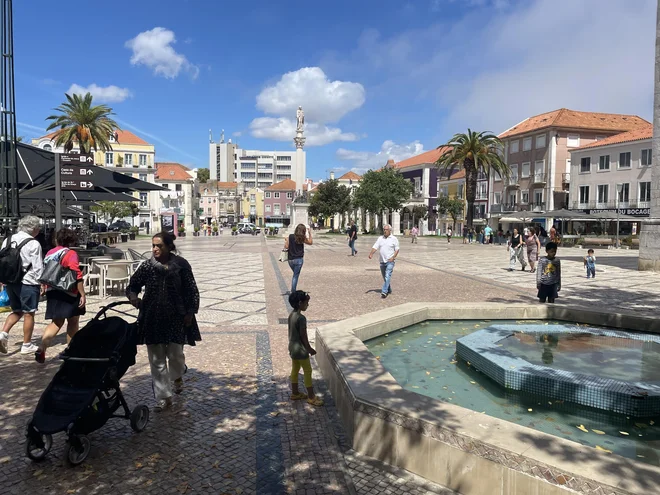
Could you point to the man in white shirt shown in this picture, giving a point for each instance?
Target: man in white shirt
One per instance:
(388, 246)
(24, 296)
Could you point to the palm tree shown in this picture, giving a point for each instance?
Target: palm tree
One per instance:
(79, 121)
(473, 151)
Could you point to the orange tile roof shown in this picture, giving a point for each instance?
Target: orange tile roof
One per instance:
(350, 176)
(426, 158)
(624, 137)
(458, 175)
(123, 137)
(172, 171)
(227, 185)
(285, 185)
(574, 119)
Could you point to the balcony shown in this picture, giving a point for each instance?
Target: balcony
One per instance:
(417, 197)
(566, 178)
(512, 181)
(538, 179)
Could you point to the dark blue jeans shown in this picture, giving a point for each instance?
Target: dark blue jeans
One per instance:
(351, 243)
(386, 271)
(296, 265)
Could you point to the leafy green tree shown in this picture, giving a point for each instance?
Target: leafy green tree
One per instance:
(382, 190)
(111, 210)
(451, 207)
(203, 175)
(474, 151)
(79, 121)
(330, 199)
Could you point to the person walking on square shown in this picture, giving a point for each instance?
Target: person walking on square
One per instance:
(167, 315)
(295, 246)
(414, 233)
(590, 264)
(533, 248)
(61, 305)
(488, 235)
(515, 247)
(24, 294)
(548, 276)
(470, 235)
(352, 237)
(388, 247)
(300, 350)
(449, 234)
(465, 234)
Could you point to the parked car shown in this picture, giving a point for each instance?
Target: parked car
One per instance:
(248, 228)
(119, 225)
(98, 227)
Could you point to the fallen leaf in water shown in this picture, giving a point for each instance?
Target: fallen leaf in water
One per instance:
(549, 403)
(183, 487)
(477, 326)
(38, 473)
(216, 464)
(598, 447)
(138, 465)
(641, 425)
(582, 428)
(472, 382)
(549, 419)
(171, 468)
(453, 362)
(624, 433)
(275, 414)
(377, 357)
(404, 350)
(415, 386)
(598, 432)
(651, 422)
(530, 409)
(512, 367)
(228, 476)
(640, 456)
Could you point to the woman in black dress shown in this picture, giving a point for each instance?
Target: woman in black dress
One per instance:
(167, 315)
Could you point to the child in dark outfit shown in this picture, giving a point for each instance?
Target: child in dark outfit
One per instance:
(548, 274)
(299, 348)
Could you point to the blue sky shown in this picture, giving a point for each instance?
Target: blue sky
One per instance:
(377, 79)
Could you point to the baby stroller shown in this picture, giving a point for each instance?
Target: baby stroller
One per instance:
(85, 392)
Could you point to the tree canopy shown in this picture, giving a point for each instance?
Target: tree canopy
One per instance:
(116, 209)
(79, 121)
(473, 151)
(382, 190)
(203, 175)
(451, 207)
(329, 199)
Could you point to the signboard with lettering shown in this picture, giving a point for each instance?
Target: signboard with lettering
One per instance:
(633, 212)
(76, 185)
(77, 158)
(76, 178)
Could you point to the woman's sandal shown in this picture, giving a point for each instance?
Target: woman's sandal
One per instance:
(315, 402)
(299, 396)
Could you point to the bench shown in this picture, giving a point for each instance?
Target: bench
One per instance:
(597, 241)
(635, 243)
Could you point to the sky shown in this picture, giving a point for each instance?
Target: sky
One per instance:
(377, 79)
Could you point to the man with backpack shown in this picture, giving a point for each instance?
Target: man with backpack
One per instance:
(21, 265)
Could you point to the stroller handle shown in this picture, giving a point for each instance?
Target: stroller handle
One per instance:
(112, 306)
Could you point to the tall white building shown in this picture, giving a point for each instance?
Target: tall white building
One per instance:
(255, 168)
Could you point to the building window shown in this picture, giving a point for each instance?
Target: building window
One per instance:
(288, 208)
(48, 147)
(584, 195)
(513, 200)
(267, 208)
(525, 169)
(283, 158)
(624, 160)
(177, 187)
(268, 194)
(527, 144)
(524, 197)
(540, 141)
(253, 198)
(497, 176)
(585, 165)
(143, 199)
(209, 210)
(128, 158)
(539, 167)
(644, 192)
(624, 195)
(497, 198)
(276, 209)
(289, 195)
(143, 160)
(109, 158)
(646, 157)
(604, 162)
(142, 177)
(482, 188)
(277, 195)
(603, 194)
(443, 191)
(514, 172)
(573, 140)
(461, 191)
(538, 198)
(515, 146)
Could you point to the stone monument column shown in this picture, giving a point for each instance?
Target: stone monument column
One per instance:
(649, 240)
(299, 141)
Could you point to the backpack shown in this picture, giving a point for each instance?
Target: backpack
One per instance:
(11, 265)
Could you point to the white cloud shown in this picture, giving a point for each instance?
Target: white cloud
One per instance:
(107, 94)
(237, 134)
(366, 160)
(323, 100)
(154, 49)
(283, 129)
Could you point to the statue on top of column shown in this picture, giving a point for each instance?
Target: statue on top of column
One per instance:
(300, 119)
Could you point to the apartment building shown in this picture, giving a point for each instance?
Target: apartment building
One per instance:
(208, 203)
(277, 202)
(538, 151)
(613, 173)
(178, 204)
(252, 206)
(229, 202)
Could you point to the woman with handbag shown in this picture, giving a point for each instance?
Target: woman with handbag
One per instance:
(294, 245)
(62, 282)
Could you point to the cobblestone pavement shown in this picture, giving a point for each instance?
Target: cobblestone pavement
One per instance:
(233, 429)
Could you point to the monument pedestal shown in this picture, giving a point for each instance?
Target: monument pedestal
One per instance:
(300, 215)
(649, 245)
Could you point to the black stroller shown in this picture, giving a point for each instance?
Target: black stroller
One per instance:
(85, 392)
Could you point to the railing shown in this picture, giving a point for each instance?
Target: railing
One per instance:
(417, 196)
(566, 178)
(539, 206)
(538, 179)
(512, 181)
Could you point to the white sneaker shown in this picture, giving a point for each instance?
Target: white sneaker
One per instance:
(4, 339)
(29, 348)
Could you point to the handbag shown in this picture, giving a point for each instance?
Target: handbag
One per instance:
(57, 276)
(284, 255)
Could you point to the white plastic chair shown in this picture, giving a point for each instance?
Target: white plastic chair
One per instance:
(115, 273)
(90, 280)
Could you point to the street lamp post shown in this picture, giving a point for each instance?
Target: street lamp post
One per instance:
(619, 188)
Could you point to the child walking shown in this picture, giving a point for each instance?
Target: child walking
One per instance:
(548, 274)
(299, 348)
(590, 264)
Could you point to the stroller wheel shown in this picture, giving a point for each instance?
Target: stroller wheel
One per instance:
(79, 447)
(38, 452)
(139, 418)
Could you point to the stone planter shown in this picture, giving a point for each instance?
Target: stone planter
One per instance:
(124, 237)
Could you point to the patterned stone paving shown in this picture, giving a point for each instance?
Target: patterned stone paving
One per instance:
(233, 430)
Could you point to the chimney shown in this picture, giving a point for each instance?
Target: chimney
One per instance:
(332, 175)
(390, 163)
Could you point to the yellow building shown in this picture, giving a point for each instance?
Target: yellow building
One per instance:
(452, 187)
(252, 206)
(130, 155)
